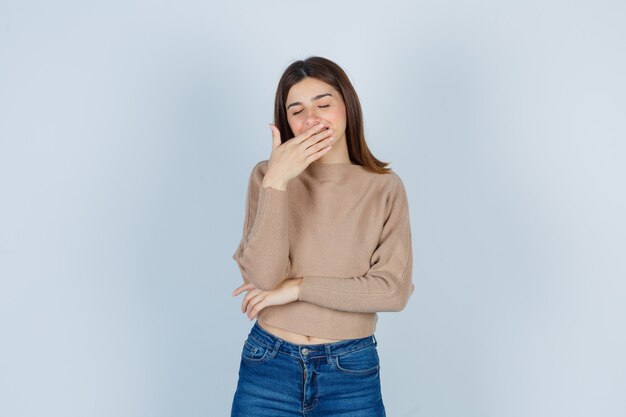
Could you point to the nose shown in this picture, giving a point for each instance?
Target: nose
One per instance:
(311, 121)
(311, 117)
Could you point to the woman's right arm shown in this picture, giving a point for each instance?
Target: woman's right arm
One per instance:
(263, 252)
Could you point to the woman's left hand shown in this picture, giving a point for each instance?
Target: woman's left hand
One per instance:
(256, 299)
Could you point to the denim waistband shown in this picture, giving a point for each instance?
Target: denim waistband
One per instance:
(277, 344)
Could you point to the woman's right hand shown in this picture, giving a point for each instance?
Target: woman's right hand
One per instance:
(289, 159)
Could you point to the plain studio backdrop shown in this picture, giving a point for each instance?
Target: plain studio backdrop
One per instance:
(127, 134)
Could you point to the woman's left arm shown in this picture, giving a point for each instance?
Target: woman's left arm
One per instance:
(387, 285)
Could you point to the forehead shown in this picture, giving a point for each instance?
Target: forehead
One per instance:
(307, 88)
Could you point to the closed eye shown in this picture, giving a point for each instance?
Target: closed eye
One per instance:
(328, 105)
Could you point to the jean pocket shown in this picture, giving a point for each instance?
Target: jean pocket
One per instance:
(254, 351)
(360, 362)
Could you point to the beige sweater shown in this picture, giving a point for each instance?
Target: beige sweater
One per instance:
(345, 231)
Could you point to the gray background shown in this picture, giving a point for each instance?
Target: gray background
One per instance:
(128, 131)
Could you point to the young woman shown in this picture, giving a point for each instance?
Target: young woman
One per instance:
(326, 245)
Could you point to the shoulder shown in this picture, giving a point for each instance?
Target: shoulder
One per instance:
(258, 171)
(261, 166)
(390, 182)
(398, 184)
(393, 189)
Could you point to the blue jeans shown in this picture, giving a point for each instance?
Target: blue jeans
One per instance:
(278, 378)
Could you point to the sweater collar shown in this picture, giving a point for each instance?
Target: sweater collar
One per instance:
(335, 172)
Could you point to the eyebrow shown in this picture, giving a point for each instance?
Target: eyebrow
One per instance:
(295, 103)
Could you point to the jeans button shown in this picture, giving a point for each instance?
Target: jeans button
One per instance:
(305, 351)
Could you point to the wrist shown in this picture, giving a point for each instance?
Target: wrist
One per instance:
(275, 183)
(298, 284)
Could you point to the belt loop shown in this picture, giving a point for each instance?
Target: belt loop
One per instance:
(329, 358)
(276, 346)
(374, 340)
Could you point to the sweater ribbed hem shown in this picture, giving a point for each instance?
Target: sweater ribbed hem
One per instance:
(312, 320)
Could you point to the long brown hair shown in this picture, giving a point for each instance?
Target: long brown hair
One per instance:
(329, 72)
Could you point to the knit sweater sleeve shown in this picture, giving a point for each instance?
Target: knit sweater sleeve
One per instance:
(263, 251)
(387, 285)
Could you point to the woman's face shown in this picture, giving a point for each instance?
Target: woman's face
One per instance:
(310, 101)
